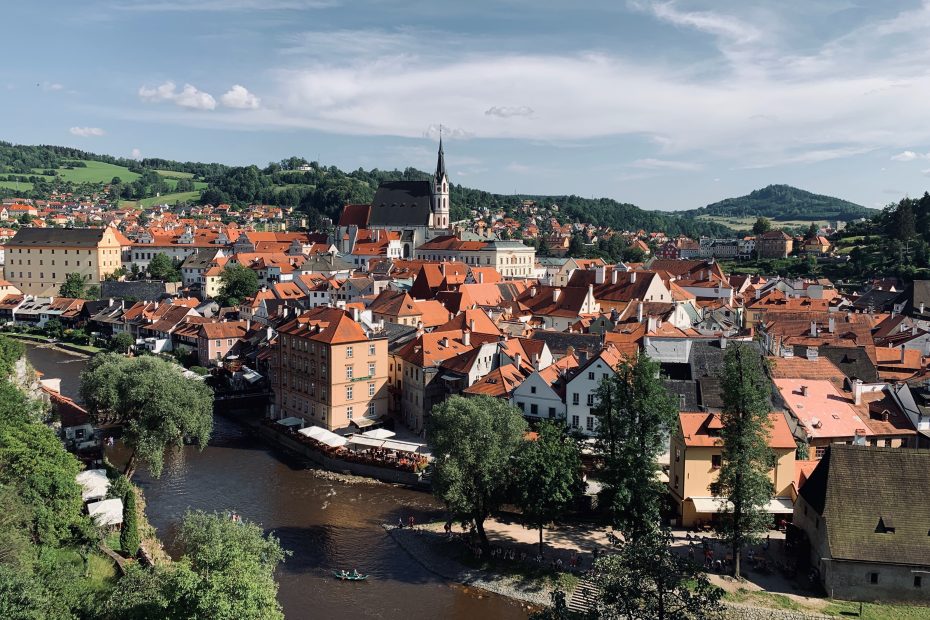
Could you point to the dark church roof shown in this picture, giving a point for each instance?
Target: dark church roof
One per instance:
(401, 203)
(440, 163)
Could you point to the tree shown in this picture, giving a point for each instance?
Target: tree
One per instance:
(474, 440)
(161, 267)
(122, 342)
(635, 414)
(811, 231)
(237, 282)
(129, 535)
(576, 247)
(157, 406)
(226, 572)
(646, 579)
(54, 328)
(743, 478)
(761, 226)
(547, 476)
(73, 287)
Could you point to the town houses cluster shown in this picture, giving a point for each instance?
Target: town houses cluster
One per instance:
(398, 307)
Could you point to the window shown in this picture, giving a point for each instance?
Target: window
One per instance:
(575, 398)
(818, 452)
(590, 400)
(371, 389)
(715, 461)
(534, 408)
(551, 412)
(350, 372)
(590, 423)
(348, 351)
(522, 406)
(371, 349)
(371, 410)
(676, 481)
(371, 369)
(349, 412)
(591, 376)
(575, 421)
(918, 582)
(873, 577)
(677, 454)
(532, 389)
(349, 392)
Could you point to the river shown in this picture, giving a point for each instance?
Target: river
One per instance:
(326, 525)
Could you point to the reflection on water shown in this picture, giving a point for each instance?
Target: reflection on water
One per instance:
(327, 525)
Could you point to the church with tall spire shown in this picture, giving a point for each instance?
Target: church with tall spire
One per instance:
(417, 210)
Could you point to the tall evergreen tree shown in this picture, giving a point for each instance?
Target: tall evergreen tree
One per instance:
(129, 535)
(743, 479)
(635, 413)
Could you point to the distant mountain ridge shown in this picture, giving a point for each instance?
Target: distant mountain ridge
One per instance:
(783, 202)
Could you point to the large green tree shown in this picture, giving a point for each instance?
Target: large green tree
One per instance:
(474, 441)
(74, 286)
(547, 477)
(635, 414)
(743, 479)
(161, 267)
(157, 406)
(237, 283)
(226, 572)
(761, 226)
(129, 534)
(645, 579)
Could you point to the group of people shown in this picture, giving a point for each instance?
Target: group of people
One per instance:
(411, 522)
(510, 554)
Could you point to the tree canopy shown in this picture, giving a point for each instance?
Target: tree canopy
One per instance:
(474, 441)
(635, 414)
(162, 267)
(157, 406)
(237, 282)
(746, 458)
(547, 476)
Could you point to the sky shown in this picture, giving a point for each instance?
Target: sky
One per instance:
(665, 104)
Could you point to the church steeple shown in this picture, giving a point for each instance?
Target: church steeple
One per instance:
(440, 162)
(440, 191)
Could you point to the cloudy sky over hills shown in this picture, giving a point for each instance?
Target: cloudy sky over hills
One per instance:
(669, 105)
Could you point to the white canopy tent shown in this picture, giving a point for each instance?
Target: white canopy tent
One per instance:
(292, 421)
(379, 433)
(711, 505)
(385, 444)
(107, 512)
(94, 484)
(324, 436)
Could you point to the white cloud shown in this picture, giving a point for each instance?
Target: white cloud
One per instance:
(51, 87)
(909, 156)
(455, 133)
(136, 154)
(925, 172)
(508, 111)
(724, 26)
(665, 164)
(239, 97)
(86, 132)
(188, 97)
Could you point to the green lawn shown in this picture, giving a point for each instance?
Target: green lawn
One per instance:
(745, 223)
(877, 611)
(171, 174)
(163, 199)
(21, 186)
(97, 172)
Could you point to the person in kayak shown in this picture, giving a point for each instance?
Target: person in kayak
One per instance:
(355, 574)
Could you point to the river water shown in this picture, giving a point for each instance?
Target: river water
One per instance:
(327, 525)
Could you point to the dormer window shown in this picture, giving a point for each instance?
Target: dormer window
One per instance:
(886, 525)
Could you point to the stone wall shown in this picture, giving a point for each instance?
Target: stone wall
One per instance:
(742, 612)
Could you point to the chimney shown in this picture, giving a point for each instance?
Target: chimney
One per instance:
(248, 324)
(832, 325)
(471, 324)
(442, 269)
(600, 275)
(902, 353)
(355, 314)
(723, 341)
(535, 359)
(444, 342)
(556, 292)
(613, 276)
(921, 307)
(632, 277)
(517, 360)
(812, 353)
(582, 356)
(533, 291)
(569, 351)
(813, 329)
(651, 324)
(639, 312)
(803, 390)
(466, 338)
(480, 277)
(758, 293)
(857, 391)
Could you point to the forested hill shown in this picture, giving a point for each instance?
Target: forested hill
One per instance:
(34, 171)
(783, 202)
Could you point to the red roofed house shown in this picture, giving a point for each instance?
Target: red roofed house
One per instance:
(696, 456)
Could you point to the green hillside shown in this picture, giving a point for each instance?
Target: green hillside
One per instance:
(782, 203)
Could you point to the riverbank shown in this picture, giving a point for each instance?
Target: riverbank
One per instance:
(64, 347)
(436, 553)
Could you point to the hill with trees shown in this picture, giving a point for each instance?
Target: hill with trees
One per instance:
(783, 203)
(321, 191)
